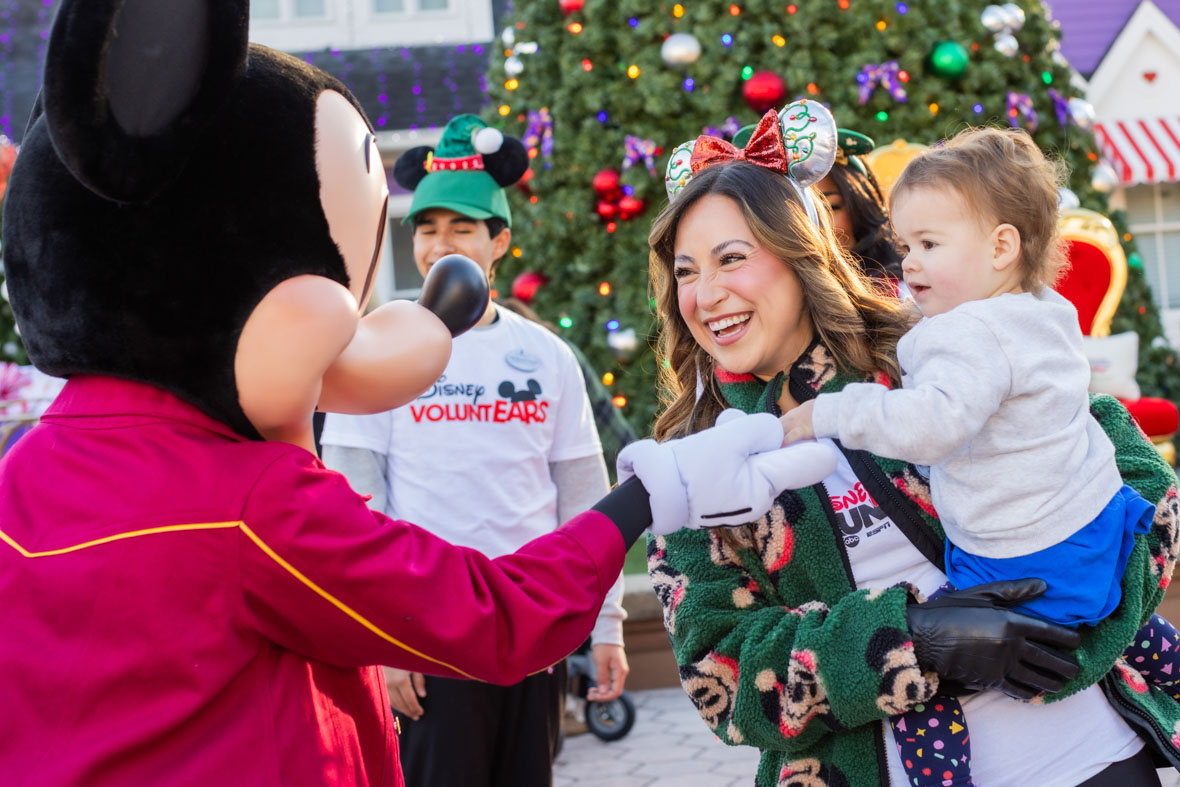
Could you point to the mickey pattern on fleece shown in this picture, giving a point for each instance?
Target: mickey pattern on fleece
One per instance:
(780, 611)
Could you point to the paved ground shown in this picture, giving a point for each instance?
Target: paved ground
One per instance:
(669, 747)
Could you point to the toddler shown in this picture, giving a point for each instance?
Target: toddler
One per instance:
(994, 399)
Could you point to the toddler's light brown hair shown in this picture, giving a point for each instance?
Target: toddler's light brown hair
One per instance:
(1004, 178)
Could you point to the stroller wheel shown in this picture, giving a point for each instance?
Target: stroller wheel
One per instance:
(612, 720)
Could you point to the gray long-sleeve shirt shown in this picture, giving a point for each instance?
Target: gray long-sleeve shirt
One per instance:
(994, 398)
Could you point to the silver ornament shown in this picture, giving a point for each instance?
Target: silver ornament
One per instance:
(1007, 45)
(513, 66)
(1015, 16)
(622, 343)
(680, 49)
(1104, 178)
(1082, 113)
(1067, 200)
(525, 48)
(994, 18)
(508, 37)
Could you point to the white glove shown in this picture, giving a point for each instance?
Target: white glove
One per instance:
(724, 476)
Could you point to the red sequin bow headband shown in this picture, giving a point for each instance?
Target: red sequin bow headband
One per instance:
(765, 148)
(799, 142)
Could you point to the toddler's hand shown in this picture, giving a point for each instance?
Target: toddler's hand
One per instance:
(797, 423)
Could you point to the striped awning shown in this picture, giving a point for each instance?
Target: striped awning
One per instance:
(1141, 151)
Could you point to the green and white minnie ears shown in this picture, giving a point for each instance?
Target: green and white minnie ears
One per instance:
(800, 141)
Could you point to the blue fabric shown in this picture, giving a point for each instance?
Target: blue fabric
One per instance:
(1083, 572)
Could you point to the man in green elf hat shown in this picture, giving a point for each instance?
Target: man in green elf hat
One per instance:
(508, 428)
(859, 213)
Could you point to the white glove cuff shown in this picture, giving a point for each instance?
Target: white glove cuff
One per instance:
(655, 465)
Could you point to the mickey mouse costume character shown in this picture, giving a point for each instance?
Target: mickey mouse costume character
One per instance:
(190, 235)
(509, 423)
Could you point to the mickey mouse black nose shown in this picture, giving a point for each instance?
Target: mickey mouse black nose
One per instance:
(456, 290)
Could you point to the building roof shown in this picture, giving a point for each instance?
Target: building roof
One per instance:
(1089, 27)
(399, 87)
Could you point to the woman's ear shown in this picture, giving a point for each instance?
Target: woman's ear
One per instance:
(508, 164)
(131, 84)
(410, 167)
(1005, 247)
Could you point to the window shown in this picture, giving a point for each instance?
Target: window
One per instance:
(269, 11)
(303, 25)
(1154, 213)
(397, 276)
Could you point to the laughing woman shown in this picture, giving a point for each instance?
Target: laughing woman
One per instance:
(800, 633)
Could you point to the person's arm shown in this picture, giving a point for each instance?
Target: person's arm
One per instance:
(364, 469)
(324, 576)
(1149, 569)
(960, 376)
(580, 483)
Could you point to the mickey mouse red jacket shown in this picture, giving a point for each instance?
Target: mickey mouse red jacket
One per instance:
(182, 604)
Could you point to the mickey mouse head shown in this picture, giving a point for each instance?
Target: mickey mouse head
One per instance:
(527, 394)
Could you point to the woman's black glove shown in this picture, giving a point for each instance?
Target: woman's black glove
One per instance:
(971, 638)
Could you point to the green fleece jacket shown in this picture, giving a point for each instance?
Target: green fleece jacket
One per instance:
(777, 649)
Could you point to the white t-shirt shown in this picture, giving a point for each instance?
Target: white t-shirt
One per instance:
(1060, 744)
(469, 459)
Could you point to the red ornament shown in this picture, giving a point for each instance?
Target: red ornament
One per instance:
(607, 210)
(606, 182)
(630, 207)
(523, 184)
(764, 90)
(525, 286)
(569, 6)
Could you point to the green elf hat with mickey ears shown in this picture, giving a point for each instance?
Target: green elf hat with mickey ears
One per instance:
(466, 172)
(850, 146)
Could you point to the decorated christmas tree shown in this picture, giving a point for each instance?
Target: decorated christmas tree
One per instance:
(603, 90)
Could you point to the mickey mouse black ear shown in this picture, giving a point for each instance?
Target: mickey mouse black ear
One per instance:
(410, 167)
(508, 164)
(131, 84)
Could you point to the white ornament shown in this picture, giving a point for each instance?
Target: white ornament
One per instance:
(1104, 178)
(487, 140)
(1067, 200)
(1082, 112)
(4, 289)
(513, 66)
(622, 343)
(1007, 45)
(994, 18)
(1015, 16)
(680, 49)
(508, 37)
(525, 48)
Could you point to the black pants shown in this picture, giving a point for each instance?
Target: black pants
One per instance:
(1137, 771)
(478, 735)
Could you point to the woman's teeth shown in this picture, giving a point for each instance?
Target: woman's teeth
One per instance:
(722, 327)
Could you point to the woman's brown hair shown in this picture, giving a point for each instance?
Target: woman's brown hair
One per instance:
(1002, 176)
(856, 319)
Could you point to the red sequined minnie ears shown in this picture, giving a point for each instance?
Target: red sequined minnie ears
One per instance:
(798, 142)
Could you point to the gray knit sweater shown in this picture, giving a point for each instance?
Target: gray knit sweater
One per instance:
(992, 391)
